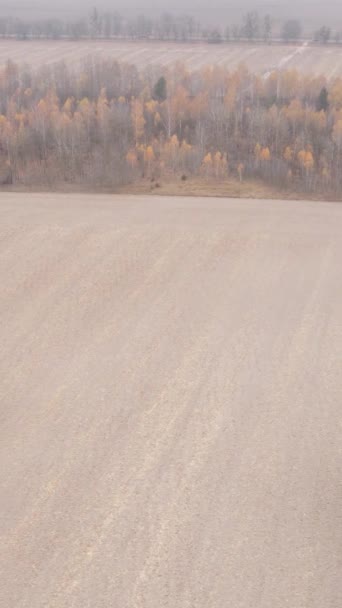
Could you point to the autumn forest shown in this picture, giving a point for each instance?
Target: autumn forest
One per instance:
(108, 125)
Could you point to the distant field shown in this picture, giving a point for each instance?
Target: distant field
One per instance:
(258, 58)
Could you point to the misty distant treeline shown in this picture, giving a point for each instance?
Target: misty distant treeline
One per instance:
(111, 25)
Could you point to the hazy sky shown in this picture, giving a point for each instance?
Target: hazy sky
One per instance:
(211, 10)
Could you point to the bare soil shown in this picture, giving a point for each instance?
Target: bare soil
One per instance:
(170, 402)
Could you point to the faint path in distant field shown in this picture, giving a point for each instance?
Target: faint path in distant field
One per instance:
(284, 61)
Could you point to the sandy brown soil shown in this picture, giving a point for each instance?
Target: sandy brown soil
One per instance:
(258, 58)
(170, 403)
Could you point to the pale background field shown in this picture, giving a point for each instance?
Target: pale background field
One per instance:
(258, 58)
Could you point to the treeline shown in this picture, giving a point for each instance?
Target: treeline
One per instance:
(111, 25)
(109, 125)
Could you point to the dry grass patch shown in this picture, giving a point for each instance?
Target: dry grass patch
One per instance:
(198, 186)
